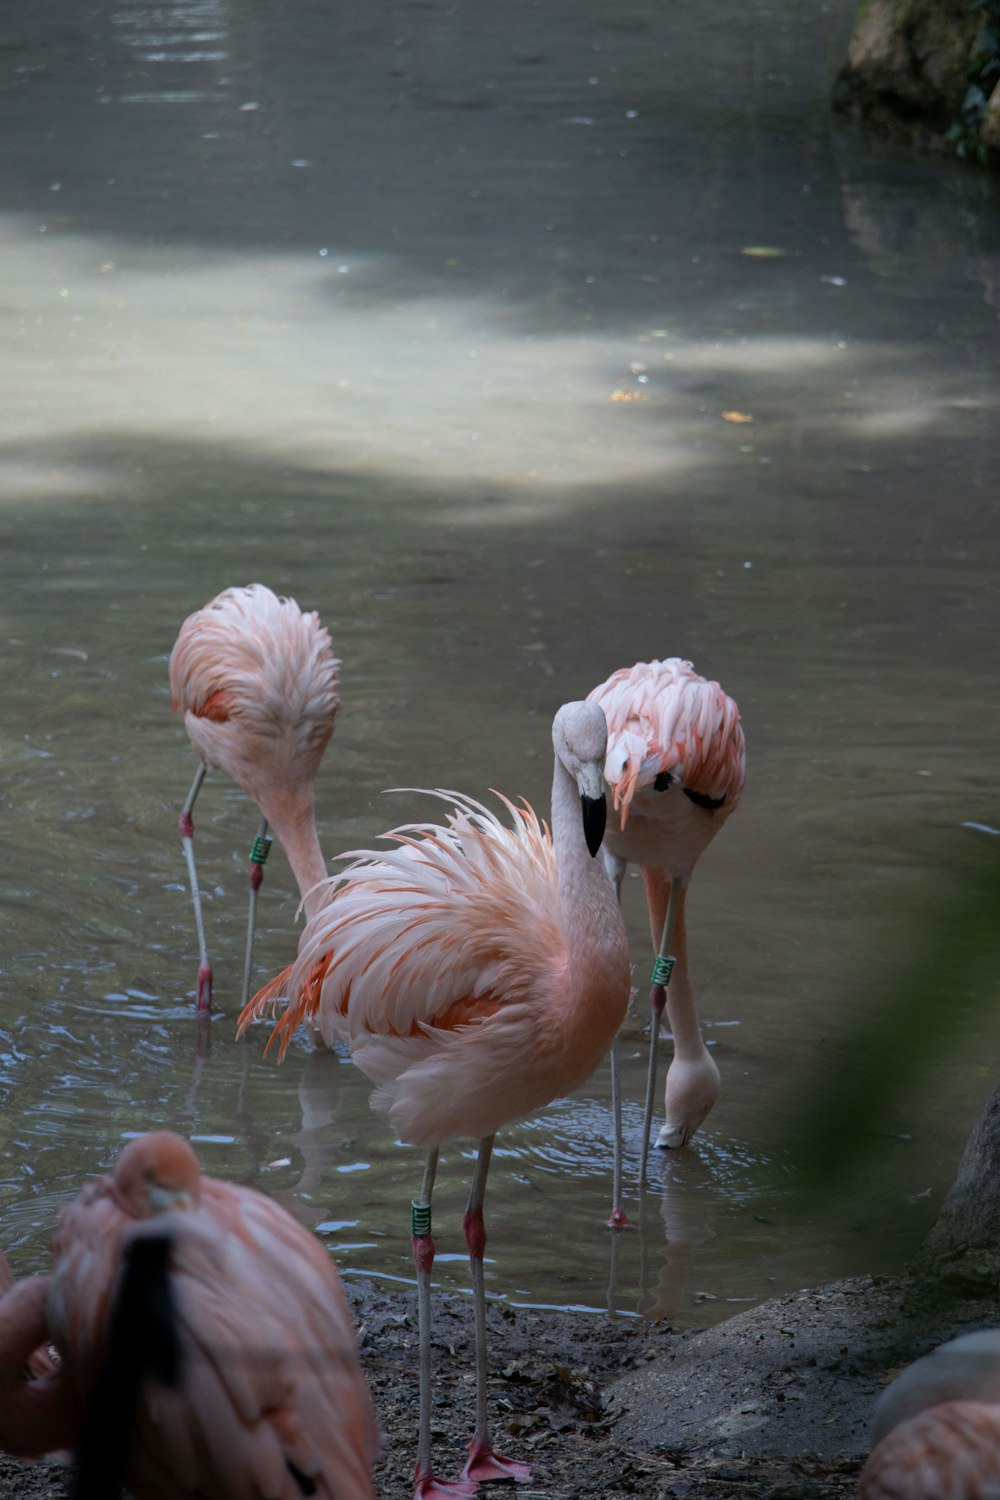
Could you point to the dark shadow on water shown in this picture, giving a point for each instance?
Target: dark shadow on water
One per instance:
(573, 166)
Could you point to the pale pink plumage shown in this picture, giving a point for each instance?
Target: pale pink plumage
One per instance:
(936, 1431)
(675, 767)
(448, 965)
(664, 718)
(257, 683)
(951, 1452)
(477, 971)
(269, 1374)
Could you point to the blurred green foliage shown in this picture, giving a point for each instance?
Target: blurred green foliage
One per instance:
(886, 1053)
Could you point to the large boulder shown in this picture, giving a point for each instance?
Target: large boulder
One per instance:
(924, 71)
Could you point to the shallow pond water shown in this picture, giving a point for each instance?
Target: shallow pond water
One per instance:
(341, 299)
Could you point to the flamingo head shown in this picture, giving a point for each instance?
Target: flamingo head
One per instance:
(580, 738)
(631, 763)
(158, 1173)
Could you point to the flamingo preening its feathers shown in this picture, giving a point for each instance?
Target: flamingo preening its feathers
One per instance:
(477, 972)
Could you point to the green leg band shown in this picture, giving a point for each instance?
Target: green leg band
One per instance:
(662, 969)
(260, 849)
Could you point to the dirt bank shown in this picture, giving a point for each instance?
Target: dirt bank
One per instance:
(773, 1403)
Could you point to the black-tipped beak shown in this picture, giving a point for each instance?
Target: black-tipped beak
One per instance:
(595, 816)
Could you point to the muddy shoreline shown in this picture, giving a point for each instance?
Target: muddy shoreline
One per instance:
(773, 1403)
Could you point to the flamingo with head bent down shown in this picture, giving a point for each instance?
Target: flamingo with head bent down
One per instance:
(477, 972)
(257, 683)
(675, 767)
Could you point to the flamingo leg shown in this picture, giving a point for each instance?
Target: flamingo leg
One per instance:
(255, 874)
(426, 1487)
(482, 1463)
(204, 1003)
(619, 1218)
(615, 867)
(657, 999)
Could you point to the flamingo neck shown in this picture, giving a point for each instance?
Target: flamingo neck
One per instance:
(292, 816)
(689, 1044)
(36, 1416)
(590, 911)
(685, 1028)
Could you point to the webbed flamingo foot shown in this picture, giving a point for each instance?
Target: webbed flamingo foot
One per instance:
(483, 1464)
(426, 1487)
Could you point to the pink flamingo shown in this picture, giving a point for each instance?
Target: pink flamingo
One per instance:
(268, 1397)
(39, 1361)
(675, 767)
(936, 1432)
(256, 681)
(477, 972)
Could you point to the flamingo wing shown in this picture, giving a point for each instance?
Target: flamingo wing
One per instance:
(446, 927)
(425, 952)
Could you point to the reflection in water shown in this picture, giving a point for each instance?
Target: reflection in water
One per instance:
(687, 1208)
(361, 342)
(185, 41)
(319, 1101)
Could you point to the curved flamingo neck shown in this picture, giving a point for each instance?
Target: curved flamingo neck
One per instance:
(588, 900)
(36, 1416)
(689, 1044)
(292, 816)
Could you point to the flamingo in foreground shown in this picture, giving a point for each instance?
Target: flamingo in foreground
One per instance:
(265, 1395)
(256, 681)
(936, 1431)
(40, 1361)
(675, 767)
(477, 972)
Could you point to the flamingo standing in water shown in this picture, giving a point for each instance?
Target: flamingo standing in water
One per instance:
(477, 972)
(936, 1432)
(265, 1395)
(256, 681)
(675, 767)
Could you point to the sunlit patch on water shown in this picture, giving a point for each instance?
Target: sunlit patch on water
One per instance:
(175, 39)
(174, 96)
(128, 1007)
